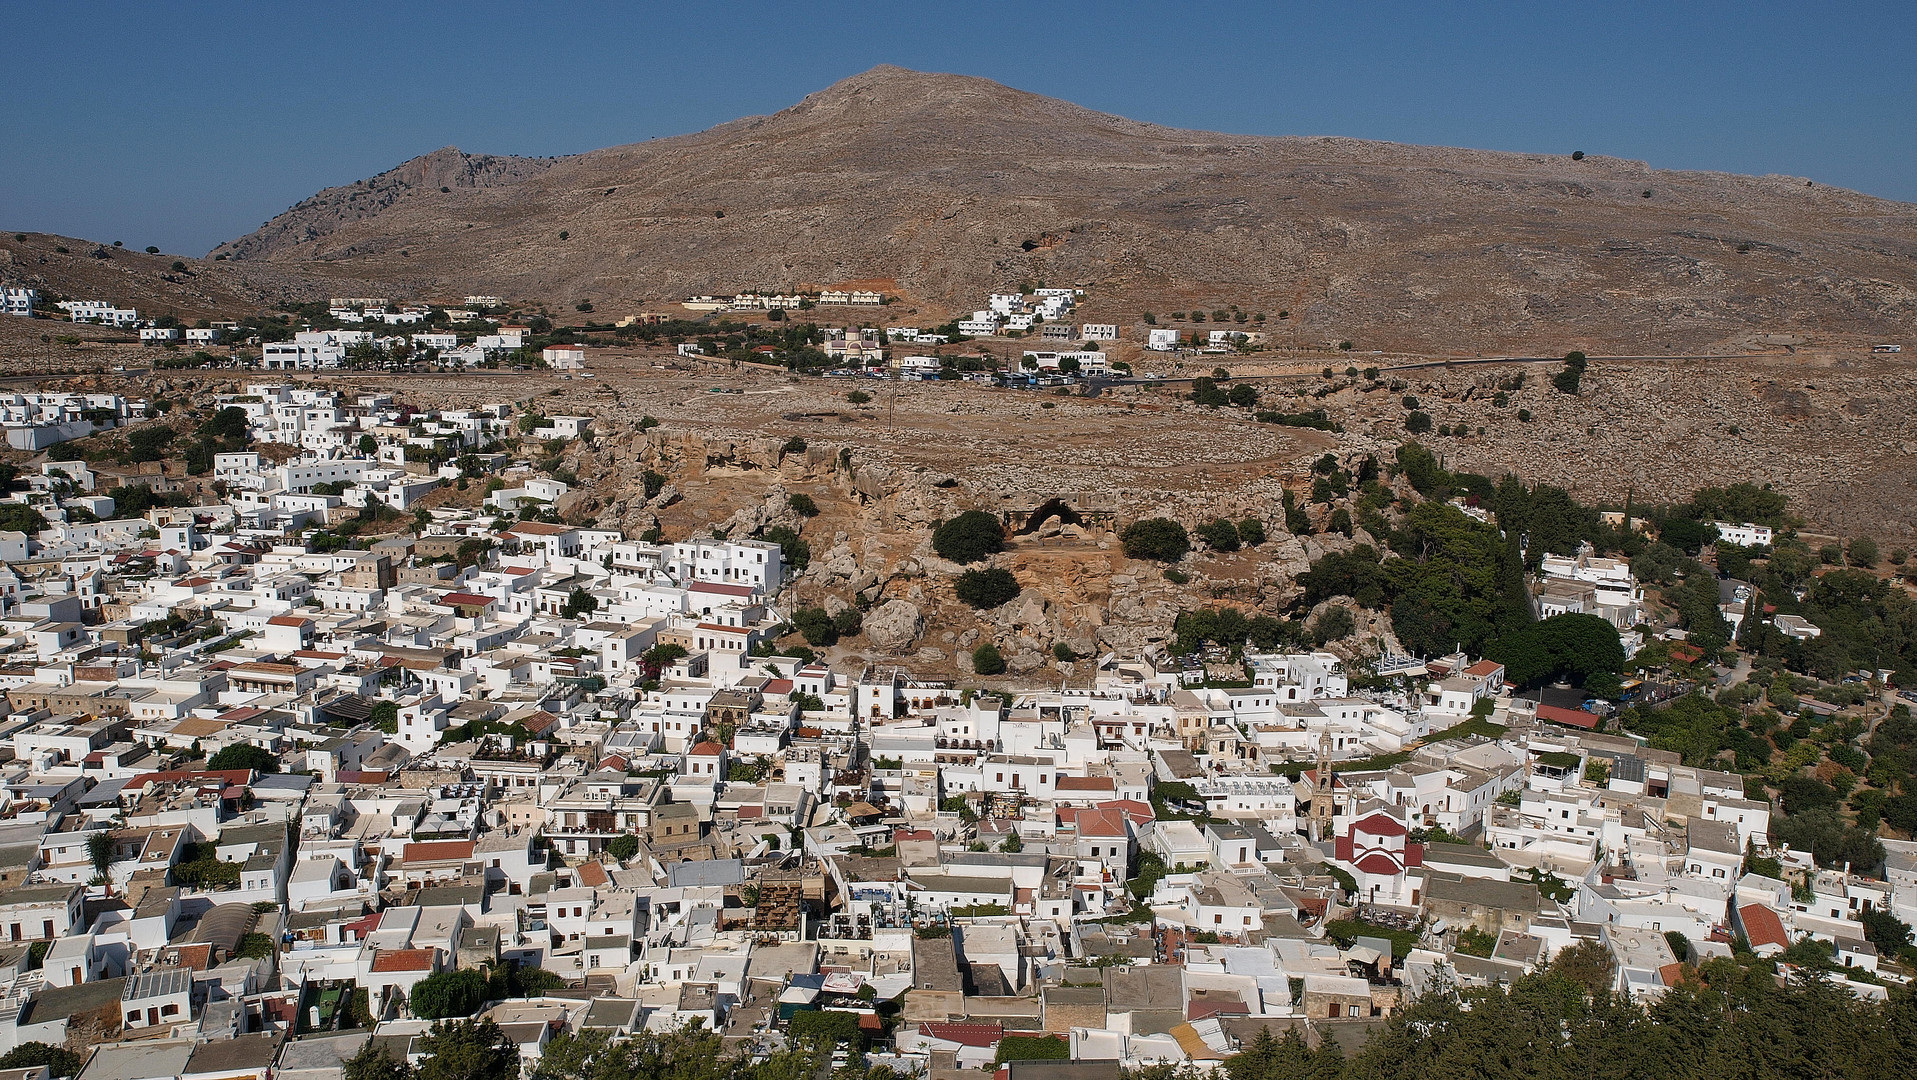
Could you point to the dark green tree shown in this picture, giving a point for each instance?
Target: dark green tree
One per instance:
(969, 537)
(988, 588)
(1161, 539)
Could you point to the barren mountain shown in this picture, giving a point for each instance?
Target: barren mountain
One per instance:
(952, 186)
(156, 284)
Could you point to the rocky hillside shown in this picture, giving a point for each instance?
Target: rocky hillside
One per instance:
(950, 186)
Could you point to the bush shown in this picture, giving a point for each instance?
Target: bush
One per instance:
(1863, 551)
(1332, 624)
(1251, 531)
(802, 504)
(987, 661)
(816, 625)
(1417, 423)
(794, 445)
(448, 994)
(59, 1060)
(623, 847)
(1032, 1048)
(1161, 539)
(969, 537)
(827, 1026)
(1221, 534)
(244, 756)
(986, 588)
(858, 397)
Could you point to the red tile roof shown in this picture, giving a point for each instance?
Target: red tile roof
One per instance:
(592, 875)
(466, 599)
(1573, 717)
(1138, 813)
(1378, 863)
(288, 620)
(1484, 668)
(1762, 926)
(707, 749)
(1103, 823)
(1378, 825)
(404, 960)
(980, 1035)
(437, 850)
(1085, 783)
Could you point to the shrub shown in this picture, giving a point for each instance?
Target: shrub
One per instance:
(1155, 538)
(816, 625)
(1251, 531)
(858, 397)
(1221, 534)
(969, 537)
(1417, 423)
(794, 445)
(987, 661)
(1332, 624)
(448, 993)
(802, 504)
(623, 847)
(244, 756)
(1032, 1048)
(1863, 551)
(58, 1060)
(986, 588)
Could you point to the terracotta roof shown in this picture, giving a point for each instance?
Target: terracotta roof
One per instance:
(1105, 823)
(592, 875)
(707, 749)
(1379, 863)
(288, 620)
(466, 599)
(1378, 825)
(224, 777)
(1762, 926)
(538, 528)
(964, 1034)
(779, 686)
(404, 960)
(1573, 717)
(437, 850)
(1136, 812)
(1484, 668)
(1085, 783)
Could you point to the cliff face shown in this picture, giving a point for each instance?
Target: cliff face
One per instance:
(948, 186)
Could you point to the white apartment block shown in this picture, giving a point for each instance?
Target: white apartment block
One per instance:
(1747, 534)
(100, 311)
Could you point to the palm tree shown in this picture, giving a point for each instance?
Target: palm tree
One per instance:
(100, 852)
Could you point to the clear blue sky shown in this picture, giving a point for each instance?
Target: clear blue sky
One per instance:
(186, 123)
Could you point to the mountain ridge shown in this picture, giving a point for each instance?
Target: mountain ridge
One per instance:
(953, 186)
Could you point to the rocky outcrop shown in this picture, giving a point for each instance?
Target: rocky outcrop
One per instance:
(893, 626)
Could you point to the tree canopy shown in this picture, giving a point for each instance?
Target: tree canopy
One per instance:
(1570, 647)
(986, 588)
(245, 756)
(1160, 539)
(448, 994)
(969, 537)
